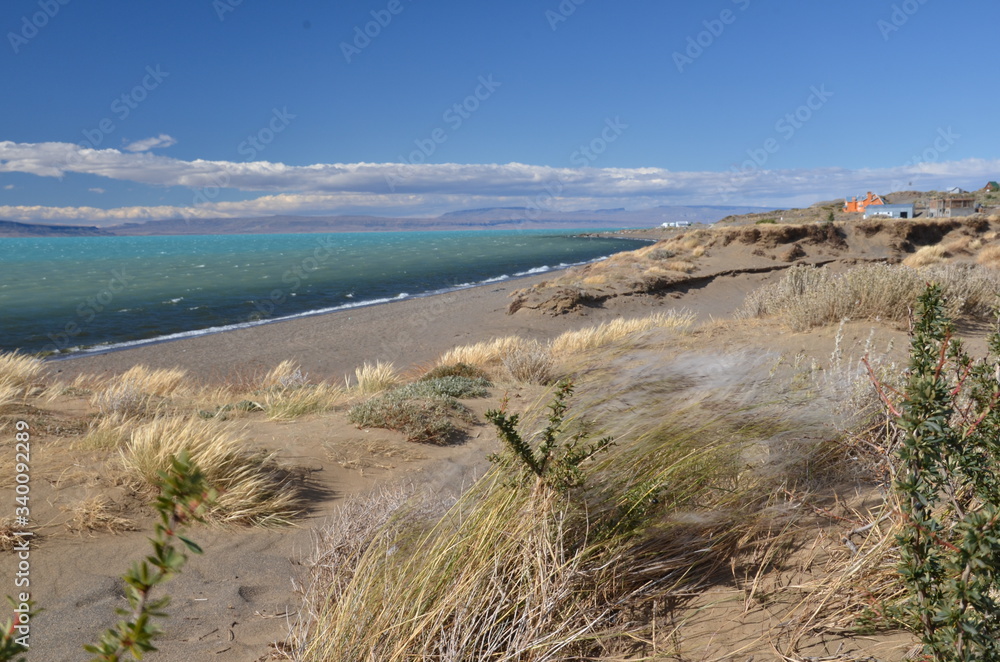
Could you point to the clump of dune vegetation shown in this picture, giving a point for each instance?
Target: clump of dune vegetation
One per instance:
(989, 256)
(17, 373)
(288, 403)
(611, 332)
(252, 487)
(425, 411)
(18, 370)
(373, 378)
(487, 355)
(531, 363)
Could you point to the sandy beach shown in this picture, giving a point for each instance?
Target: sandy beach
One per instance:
(330, 345)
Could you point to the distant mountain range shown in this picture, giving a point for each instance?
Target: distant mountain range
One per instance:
(499, 218)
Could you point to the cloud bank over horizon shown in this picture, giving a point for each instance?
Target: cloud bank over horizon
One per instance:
(400, 189)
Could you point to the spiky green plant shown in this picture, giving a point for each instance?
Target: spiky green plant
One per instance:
(556, 461)
(947, 483)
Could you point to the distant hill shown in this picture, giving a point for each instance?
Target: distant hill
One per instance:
(14, 229)
(499, 218)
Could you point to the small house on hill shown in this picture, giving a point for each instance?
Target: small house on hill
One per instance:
(956, 190)
(855, 205)
(890, 211)
(992, 187)
(952, 207)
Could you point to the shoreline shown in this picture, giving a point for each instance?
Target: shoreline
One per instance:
(330, 345)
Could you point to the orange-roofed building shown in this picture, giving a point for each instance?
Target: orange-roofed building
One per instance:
(855, 205)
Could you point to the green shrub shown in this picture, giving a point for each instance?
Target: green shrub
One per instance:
(661, 254)
(423, 410)
(766, 221)
(556, 460)
(949, 488)
(455, 370)
(452, 387)
(425, 420)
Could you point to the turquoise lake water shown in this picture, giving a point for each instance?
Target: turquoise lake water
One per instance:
(99, 293)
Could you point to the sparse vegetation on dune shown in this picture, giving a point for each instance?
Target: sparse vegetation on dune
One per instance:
(808, 297)
(989, 257)
(556, 563)
(484, 355)
(529, 361)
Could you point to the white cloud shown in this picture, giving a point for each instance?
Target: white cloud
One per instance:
(9, 187)
(160, 141)
(430, 189)
(97, 189)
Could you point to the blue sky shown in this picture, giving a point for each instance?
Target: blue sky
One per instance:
(125, 110)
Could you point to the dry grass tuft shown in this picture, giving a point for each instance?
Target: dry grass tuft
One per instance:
(286, 374)
(529, 363)
(486, 354)
(374, 378)
(122, 400)
(18, 371)
(509, 357)
(107, 432)
(7, 538)
(572, 342)
(989, 257)
(927, 256)
(98, 514)
(253, 489)
(8, 394)
(286, 404)
(159, 382)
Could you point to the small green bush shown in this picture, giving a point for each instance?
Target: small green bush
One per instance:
(455, 370)
(423, 410)
(557, 458)
(426, 420)
(949, 491)
(661, 254)
(452, 387)
(766, 221)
